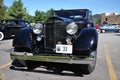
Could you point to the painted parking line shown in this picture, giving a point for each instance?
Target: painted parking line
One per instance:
(109, 63)
(5, 65)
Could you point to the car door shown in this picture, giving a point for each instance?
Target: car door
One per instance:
(111, 27)
(12, 26)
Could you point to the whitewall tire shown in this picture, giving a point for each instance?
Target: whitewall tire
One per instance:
(103, 31)
(1, 36)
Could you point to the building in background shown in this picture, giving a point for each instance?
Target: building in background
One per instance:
(110, 18)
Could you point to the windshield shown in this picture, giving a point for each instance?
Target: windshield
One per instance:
(73, 14)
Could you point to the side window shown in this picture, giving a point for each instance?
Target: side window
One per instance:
(24, 24)
(11, 23)
(27, 24)
(21, 24)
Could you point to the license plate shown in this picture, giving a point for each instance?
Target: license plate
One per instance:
(67, 49)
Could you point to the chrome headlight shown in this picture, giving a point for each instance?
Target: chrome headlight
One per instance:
(38, 28)
(72, 28)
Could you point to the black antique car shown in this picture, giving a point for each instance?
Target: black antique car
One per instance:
(66, 41)
(9, 27)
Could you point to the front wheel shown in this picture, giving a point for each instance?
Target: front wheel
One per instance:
(90, 67)
(1, 36)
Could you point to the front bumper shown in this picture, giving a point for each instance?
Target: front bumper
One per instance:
(61, 58)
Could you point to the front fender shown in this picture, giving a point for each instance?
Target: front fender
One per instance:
(22, 39)
(88, 39)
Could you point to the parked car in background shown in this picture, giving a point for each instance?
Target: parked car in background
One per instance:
(9, 27)
(68, 41)
(97, 26)
(109, 28)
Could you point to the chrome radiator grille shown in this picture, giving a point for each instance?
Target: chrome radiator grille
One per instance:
(55, 31)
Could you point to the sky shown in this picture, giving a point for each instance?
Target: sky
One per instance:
(96, 6)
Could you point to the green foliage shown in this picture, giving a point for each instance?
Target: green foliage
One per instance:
(43, 16)
(29, 17)
(2, 9)
(0, 78)
(39, 16)
(49, 13)
(97, 18)
(17, 10)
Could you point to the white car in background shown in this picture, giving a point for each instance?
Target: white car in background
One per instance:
(109, 28)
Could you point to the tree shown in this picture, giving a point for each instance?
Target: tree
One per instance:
(2, 9)
(17, 10)
(30, 18)
(39, 16)
(49, 13)
(43, 16)
(97, 18)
